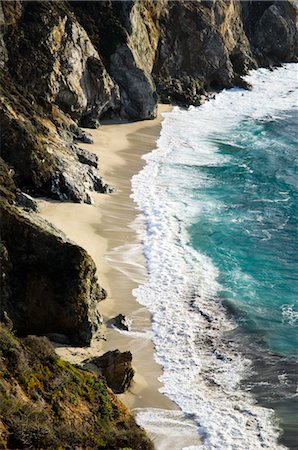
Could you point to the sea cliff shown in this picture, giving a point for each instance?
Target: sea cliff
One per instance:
(67, 65)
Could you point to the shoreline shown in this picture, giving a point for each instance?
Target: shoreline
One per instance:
(107, 230)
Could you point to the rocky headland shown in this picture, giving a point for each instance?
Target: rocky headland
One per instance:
(66, 66)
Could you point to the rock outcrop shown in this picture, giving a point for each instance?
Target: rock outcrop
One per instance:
(48, 284)
(121, 322)
(91, 59)
(208, 45)
(116, 367)
(126, 34)
(271, 28)
(50, 54)
(39, 148)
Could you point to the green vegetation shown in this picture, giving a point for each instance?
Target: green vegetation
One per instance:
(50, 404)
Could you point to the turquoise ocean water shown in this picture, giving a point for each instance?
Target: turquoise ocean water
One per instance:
(250, 230)
(219, 200)
(252, 238)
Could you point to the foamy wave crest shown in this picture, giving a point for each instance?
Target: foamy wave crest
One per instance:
(202, 369)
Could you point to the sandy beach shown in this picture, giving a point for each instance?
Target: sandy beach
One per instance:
(107, 230)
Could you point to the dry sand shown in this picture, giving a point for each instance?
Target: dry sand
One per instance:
(106, 231)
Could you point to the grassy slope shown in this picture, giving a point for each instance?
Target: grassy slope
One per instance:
(48, 403)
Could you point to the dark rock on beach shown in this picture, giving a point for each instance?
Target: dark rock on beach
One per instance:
(26, 201)
(86, 157)
(116, 368)
(121, 322)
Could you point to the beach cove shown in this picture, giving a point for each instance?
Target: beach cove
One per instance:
(181, 225)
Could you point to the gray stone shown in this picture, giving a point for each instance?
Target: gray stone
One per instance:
(120, 321)
(86, 157)
(26, 201)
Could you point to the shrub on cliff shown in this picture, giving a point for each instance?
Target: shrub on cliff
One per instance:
(48, 403)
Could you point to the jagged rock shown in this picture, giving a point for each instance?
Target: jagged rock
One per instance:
(81, 136)
(134, 84)
(43, 163)
(198, 48)
(240, 82)
(26, 201)
(48, 283)
(126, 35)
(271, 28)
(121, 322)
(90, 122)
(100, 58)
(116, 368)
(51, 54)
(85, 157)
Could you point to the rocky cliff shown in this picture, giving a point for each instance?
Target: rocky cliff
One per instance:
(66, 64)
(48, 283)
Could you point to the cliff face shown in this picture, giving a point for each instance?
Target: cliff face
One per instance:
(37, 261)
(91, 59)
(51, 54)
(209, 44)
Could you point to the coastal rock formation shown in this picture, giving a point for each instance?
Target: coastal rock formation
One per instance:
(116, 368)
(121, 322)
(48, 403)
(39, 148)
(91, 59)
(126, 35)
(50, 54)
(48, 284)
(271, 28)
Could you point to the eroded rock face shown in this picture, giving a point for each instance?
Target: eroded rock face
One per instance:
(126, 35)
(50, 54)
(97, 58)
(116, 368)
(208, 45)
(188, 44)
(48, 284)
(202, 46)
(272, 30)
(40, 151)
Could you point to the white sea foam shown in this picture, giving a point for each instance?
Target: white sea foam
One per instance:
(289, 314)
(168, 428)
(202, 371)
